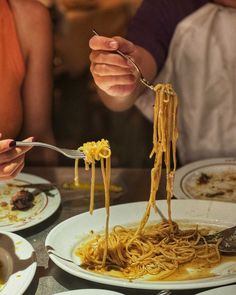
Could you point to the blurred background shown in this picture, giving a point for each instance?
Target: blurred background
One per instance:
(78, 114)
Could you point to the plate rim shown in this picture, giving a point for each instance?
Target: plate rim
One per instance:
(178, 285)
(219, 288)
(181, 172)
(34, 221)
(33, 266)
(75, 292)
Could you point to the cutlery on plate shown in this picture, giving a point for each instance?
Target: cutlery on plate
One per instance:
(70, 153)
(228, 243)
(51, 250)
(164, 292)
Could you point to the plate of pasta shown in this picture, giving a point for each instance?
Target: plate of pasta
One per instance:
(211, 179)
(147, 245)
(26, 201)
(77, 246)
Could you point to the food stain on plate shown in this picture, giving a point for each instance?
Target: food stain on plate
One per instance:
(212, 184)
(21, 210)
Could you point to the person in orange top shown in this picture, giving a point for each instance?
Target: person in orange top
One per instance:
(26, 53)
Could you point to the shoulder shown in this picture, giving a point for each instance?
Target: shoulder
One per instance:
(180, 6)
(33, 24)
(31, 11)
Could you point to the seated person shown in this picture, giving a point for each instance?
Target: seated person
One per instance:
(26, 83)
(190, 44)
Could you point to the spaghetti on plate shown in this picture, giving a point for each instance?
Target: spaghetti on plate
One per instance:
(157, 249)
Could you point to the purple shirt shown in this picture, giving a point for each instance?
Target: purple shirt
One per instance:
(154, 24)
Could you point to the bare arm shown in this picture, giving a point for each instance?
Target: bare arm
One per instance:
(117, 80)
(36, 37)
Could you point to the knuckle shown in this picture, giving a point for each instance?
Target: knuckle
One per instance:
(101, 69)
(91, 68)
(131, 78)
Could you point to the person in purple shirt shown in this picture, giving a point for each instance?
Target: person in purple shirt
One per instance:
(158, 30)
(150, 31)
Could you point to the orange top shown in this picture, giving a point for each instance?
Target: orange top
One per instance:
(12, 72)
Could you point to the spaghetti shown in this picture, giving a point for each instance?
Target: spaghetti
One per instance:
(155, 249)
(97, 151)
(164, 140)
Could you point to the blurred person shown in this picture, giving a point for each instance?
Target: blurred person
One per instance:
(26, 52)
(191, 44)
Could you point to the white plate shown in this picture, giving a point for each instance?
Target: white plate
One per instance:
(221, 186)
(66, 236)
(226, 290)
(20, 280)
(89, 292)
(44, 204)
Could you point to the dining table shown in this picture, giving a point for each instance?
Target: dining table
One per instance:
(49, 278)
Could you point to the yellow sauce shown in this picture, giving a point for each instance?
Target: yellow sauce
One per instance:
(189, 271)
(86, 186)
(197, 270)
(1, 277)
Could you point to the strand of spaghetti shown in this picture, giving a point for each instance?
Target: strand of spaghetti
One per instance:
(76, 173)
(106, 181)
(174, 133)
(164, 123)
(167, 155)
(93, 179)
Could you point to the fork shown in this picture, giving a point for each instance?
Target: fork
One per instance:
(141, 78)
(72, 154)
(164, 292)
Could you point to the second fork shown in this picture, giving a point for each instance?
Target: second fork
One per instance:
(70, 153)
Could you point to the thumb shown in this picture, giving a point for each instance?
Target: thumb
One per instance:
(29, 139)
(21, 149)
(125, 45)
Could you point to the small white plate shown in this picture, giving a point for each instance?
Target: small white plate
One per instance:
(20, 280)
(226, 290)
(44, 204)
(213, 179)
(90, 292)
(66, 236)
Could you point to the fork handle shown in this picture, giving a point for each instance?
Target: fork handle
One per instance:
(36, 143)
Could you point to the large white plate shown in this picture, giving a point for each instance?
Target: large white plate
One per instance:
(213, 179)
(44, 204)
(20, 280)
(64, 237)
(226, 290)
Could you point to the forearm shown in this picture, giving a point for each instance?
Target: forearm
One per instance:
(119, 103)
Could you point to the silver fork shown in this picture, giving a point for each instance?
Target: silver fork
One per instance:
(141, 78)
(73, 154)
(164, 292)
